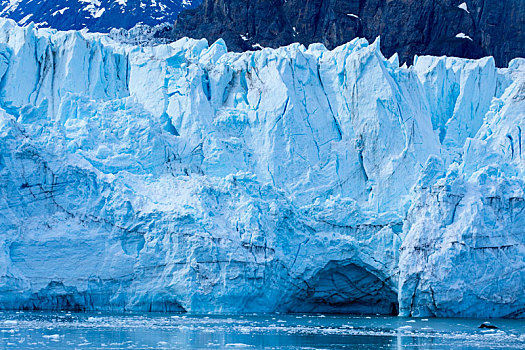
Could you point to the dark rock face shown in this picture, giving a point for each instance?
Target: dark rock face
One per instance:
(409, 27)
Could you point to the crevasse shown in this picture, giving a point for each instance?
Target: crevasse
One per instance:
(183, 177)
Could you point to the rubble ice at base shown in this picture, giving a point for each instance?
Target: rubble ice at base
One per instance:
(183, 177)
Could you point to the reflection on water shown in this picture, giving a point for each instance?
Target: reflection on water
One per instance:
(33, 330)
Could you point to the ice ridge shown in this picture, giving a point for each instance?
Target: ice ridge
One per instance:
(184, 177)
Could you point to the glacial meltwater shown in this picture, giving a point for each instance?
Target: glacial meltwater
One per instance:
(63, 330)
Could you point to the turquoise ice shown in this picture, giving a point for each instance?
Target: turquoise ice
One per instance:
(184, 177)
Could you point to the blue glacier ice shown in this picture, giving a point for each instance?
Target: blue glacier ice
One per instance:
(184, 177)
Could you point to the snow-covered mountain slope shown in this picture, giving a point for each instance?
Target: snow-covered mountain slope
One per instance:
(96, 15)
(185, 177)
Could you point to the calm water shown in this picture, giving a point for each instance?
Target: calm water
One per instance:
(32, 330)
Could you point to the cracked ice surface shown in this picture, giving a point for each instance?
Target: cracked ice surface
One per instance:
(184, 177)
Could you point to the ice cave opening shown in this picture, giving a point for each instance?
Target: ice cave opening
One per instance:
(347, 288)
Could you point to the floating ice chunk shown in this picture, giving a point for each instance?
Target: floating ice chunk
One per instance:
(52, 337)
(238, 345)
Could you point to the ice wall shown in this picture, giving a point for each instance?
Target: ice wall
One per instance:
(183, 177)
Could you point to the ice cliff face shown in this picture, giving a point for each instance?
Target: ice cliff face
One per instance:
(183, 177)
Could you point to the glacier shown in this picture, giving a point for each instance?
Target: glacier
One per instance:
(183, 177)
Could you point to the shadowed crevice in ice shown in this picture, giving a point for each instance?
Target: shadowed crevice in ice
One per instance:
(345, 287)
